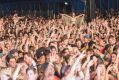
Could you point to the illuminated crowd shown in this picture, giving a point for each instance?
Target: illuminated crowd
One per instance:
(35, 48)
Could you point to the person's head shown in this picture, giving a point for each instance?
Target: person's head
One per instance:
(95, 59)
(20, 34)
(78, 43)
(31, 74)
(26, 35)
(65, 52)
(52, 43)
(65, 41)
(116, 49)
(107, 61)
(96, 37)
(86, 38)
(113, 57)
(11, 61)
(111, 40)
(40, 55)
(90, 51)
(73, 14)
(14, 53)
(28, 58)
(101, 43)
(91, 45)
(53, 49)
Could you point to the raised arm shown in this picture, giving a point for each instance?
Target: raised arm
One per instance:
(65, 15)
(77, 62)
(87, 73)
(80, 15)
(16, 72)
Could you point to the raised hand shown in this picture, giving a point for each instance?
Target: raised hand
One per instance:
(53, 57)
(90, 63)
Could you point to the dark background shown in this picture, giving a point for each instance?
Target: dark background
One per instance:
(51, 7)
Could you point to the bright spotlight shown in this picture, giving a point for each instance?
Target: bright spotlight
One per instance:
(66, 3)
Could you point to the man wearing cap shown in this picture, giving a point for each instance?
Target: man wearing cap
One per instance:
(41, 60)
(84, 46)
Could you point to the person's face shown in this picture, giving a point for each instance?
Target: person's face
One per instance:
(21, 34)
(106, 63)
(73, 14)
(112, 41)
(15, 55)
(102, 43)
(53, 51)
(96, 37)
(41, 60)
(90, 53)
(65, 42)
(12, 63)
(66, 52)
(31, 75)
(26, 35)
(86, 40)
(72, 36)
(78, 43)
(13, 41)
(113, 57)
(27, 59)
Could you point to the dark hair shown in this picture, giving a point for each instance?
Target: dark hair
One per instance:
(40, 52)
(89, 50)
(115, 48)
(20, 60)
(13, 51)
(108, 60)
(78, 40)
(90, 44)
(115, 53)
(63, 51)
(52, 47)
(47, 51)
(8, 57)
(111, 36)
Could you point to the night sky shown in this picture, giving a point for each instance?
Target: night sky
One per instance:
(54, 6)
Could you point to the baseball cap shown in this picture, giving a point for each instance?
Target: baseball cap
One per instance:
(86, 36)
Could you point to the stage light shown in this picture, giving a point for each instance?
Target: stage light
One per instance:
(66, 3)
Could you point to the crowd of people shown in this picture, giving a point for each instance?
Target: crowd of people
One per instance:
(34, 48)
